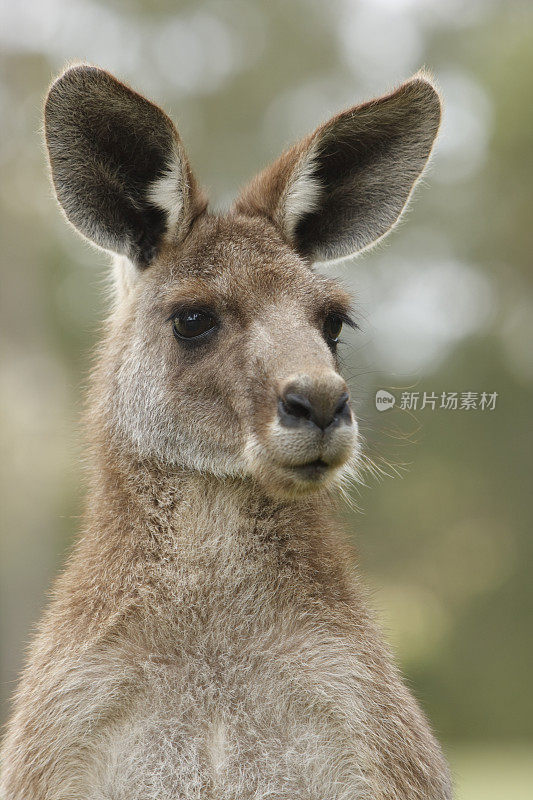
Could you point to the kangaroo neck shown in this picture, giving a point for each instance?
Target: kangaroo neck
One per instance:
(171, 526)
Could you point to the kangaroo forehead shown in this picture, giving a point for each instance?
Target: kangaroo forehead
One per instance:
(235, 260)
(233, 245)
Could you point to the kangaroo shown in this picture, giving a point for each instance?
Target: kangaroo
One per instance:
(209, 638)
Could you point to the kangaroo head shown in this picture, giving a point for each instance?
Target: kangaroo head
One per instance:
(221, 349)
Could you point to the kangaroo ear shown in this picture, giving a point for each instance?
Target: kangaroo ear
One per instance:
(118, 166)
(346, 185)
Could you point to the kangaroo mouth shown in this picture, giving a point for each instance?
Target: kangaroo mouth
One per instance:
(292, 464)
(312, 470)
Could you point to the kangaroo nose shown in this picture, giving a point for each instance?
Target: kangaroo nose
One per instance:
(323, 405)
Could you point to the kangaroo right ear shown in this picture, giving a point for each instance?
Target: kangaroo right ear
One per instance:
(118, 166)
(347, 184)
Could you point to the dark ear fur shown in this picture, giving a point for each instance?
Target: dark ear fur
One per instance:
(346, 185)
(118, 165)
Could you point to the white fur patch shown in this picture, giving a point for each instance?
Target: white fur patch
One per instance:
(303, 193)
(167, 191)
(217, 747)
(124, 275)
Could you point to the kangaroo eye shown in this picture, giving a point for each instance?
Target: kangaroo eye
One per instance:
(333, 327)
(192, 323)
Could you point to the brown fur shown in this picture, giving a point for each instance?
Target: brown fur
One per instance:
(208, 637)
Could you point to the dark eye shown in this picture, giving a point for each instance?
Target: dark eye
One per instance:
(192, 323)
(333, 327)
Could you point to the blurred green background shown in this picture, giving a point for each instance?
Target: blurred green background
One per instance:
(445, 305)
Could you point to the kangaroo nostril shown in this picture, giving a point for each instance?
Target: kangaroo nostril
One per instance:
(342, 405)
(297, 405)
(295, 408)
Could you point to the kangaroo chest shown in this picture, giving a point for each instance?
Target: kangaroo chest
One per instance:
(248, 689)
(263, 715)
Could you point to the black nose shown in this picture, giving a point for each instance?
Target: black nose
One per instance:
(319, 409)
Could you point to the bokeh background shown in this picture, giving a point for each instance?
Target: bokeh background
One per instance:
(443, 533)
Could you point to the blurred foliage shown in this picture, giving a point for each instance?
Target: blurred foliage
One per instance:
(492, 773)
(446, 305)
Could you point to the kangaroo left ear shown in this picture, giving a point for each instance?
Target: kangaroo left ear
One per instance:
(347, 184)
(118, 165)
